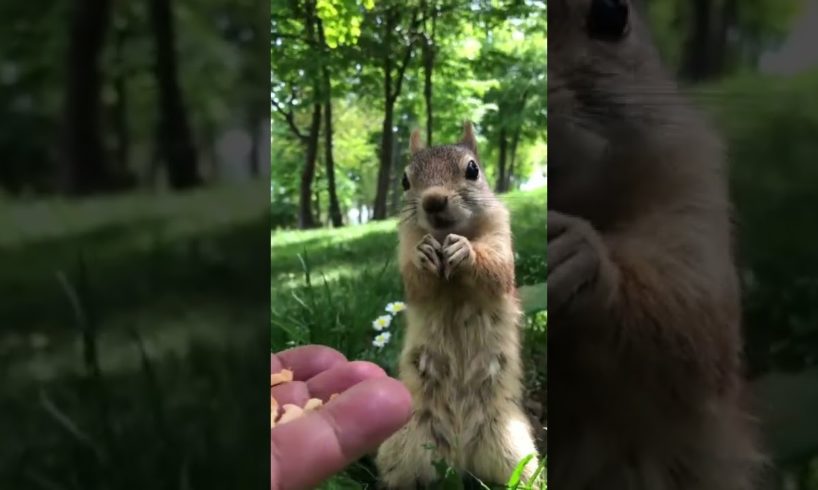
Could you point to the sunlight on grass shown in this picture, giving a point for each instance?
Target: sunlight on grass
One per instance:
(168, 215)
(329, 236)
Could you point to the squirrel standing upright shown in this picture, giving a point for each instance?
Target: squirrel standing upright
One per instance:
(461, 355)
(645, 388)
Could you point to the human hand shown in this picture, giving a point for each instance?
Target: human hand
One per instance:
(370, 407)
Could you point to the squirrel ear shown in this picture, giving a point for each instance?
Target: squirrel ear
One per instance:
(468, 140)
(415, 142)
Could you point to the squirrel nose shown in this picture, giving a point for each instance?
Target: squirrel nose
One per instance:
(435, 203)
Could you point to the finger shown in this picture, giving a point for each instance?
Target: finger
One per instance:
(561, 248)
(426, 263)
(308, 450)
(275, 364)
(451, 249)
(342, 377)
(568, 279)
(309, 360)
(457, 256)
(296, 393)
(556, 224)
(431, 241)
(430, 253)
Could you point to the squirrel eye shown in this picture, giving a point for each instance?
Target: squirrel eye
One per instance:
(472, 171)
(405, 182)
(608, 19)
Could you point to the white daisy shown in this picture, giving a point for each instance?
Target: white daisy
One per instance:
(381, 339)
(396, 307)
(382, 322)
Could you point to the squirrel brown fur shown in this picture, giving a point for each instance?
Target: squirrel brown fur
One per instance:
(645, 386)
(461, 354)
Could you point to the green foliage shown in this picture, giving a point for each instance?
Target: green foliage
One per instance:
(32, 55)
(478, 61)
(769, 125)
(756, 25)
(533, 297)
(776, 233)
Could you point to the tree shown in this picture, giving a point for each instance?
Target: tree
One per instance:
(294, 46)
(396, 33)
(84, 168)
(515, 53)
(175, 141)
(706, 39)
(430, 14)
(334, 208)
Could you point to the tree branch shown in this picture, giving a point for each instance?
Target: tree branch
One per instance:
(407, 55)
(293, 37)
(289, 118)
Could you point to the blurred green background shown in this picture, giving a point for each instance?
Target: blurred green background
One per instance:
(134, 235)
(752, 68)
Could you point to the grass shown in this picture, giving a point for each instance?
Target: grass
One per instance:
(328, 286)
(130, 352)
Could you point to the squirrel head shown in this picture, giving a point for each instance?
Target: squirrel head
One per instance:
(445, 190)
(610, 101)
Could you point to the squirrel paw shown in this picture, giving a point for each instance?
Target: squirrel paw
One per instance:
(457, 252)
(427, 255)
(579, 269)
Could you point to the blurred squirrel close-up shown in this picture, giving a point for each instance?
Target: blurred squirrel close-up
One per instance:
(646, 388)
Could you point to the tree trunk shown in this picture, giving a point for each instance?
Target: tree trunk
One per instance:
(84, 170)
(256, 134)
(428, 67)
(515, 140)
(726, 22)
(694, 59)
(429, 55)
(382, 187)
(385, 164)
(175, 140)
(705, 49)
(318, 221)
(501, 164)
(334, 208)
(305, 217)
(395, 183)
(123, 174)
(387, 141)
(391, 90)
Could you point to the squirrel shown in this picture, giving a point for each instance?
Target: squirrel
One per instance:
(645, 370)
(460, 358)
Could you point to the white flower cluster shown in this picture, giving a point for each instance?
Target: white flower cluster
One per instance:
(384, 321)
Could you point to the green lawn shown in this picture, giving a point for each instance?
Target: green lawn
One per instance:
(328, 286)
(169, 303)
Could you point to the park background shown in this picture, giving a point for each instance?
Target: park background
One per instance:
(350, 81)
(383, 68)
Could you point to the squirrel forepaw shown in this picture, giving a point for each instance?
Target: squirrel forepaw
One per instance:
(427, 255)
(457, 253)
